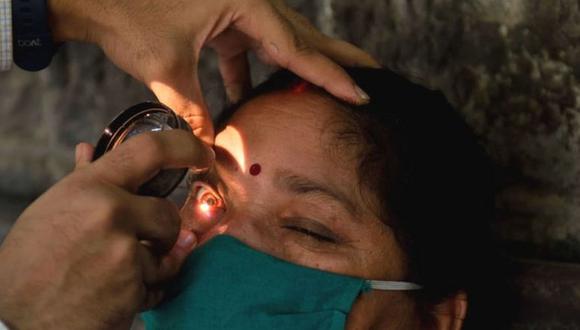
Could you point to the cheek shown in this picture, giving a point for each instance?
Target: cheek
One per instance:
(383, 310)
(383, 258)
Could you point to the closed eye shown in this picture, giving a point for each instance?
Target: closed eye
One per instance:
(312, 234)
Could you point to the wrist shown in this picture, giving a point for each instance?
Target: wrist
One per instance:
(68, 21)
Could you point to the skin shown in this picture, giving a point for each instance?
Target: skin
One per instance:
(89, 253)
(286, 132)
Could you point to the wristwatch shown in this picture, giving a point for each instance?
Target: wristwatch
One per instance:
(33, 46)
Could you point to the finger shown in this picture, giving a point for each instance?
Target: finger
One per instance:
(83, 155)
(158, 270)
(153, 298)
(235, 72)
(231, 47)
(171, 263)
(142, 157)
(149, 263)
(345, 53)
(181, 91)
(155, 221)
(280, 42)
(341, 51)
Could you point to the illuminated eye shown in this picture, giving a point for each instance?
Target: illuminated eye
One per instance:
(208, 204)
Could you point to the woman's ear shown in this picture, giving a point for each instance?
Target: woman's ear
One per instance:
(450, 313)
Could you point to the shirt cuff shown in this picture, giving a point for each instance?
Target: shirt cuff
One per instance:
(3, 326)
(5, 39)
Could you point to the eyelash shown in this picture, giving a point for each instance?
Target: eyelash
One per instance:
(312, 234)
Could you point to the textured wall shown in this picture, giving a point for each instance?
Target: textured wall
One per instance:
(511, 66)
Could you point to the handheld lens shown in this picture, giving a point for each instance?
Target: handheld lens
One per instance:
(142, 118)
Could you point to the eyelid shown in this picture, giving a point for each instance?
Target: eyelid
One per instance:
(313, 226)
(311, 234)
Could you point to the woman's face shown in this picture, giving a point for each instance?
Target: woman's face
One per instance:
(305, 205)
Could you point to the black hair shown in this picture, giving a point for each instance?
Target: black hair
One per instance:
(435, 184)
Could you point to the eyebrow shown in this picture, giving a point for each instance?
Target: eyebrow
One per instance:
(297, 184)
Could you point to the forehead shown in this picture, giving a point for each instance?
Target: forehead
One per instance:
(312, 111)
(286, 131)
(302, 126)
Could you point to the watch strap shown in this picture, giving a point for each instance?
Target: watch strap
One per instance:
(33, 46)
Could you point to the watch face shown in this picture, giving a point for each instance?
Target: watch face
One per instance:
(139, 119)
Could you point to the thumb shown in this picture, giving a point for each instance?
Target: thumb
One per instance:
(182, 93)
(171, 263)
(83, 155)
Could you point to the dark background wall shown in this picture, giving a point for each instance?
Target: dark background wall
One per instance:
(510, 66)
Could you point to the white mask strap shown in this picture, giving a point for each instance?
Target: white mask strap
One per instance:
(393, 286)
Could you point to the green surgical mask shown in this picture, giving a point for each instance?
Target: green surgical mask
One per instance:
(226, 284)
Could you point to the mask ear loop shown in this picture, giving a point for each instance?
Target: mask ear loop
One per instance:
(393, 286)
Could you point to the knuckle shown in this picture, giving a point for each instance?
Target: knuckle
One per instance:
(302, 48)
(109, 209)
(93, 208)
(123, 257)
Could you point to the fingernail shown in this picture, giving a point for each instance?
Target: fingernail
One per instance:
(80, 153)
(274, 48)
(186, 239)
(211, 154)
(462, 310)
(206, 161)
(362, 95)
(77, 153)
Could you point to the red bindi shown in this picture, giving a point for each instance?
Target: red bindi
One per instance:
(255, 169)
